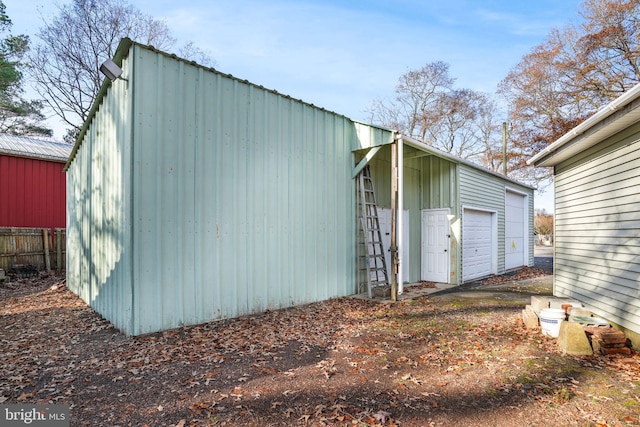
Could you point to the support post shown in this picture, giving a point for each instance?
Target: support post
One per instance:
(47, 255)
(394, 212)
(400, 216)
(504, 148)
(58, 245)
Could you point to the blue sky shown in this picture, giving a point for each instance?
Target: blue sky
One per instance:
(341, 55)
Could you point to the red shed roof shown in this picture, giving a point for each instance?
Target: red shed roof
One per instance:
(34, 148)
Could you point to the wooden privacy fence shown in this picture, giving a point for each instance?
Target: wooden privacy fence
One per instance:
(33, 246)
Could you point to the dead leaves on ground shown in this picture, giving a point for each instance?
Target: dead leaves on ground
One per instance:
(339, 362)
(521, 274)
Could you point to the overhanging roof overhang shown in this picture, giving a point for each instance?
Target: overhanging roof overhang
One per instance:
(425, 148)
(616, 116)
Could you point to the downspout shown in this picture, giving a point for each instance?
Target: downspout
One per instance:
(400, 230)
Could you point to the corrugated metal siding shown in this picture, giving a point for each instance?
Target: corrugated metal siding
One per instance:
(597, 224)
(32, 193)
(370, 136)
(99, 211)
(439, 183)
(412, 177)
(429, 183)
(74, 221)
(487, 191)
(381, 177)
(243, 198)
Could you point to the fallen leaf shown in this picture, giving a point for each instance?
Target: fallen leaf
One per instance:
(381, 416)
(24, 396)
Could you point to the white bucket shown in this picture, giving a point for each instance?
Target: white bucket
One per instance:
(550, 319)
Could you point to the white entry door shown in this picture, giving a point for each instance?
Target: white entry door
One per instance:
(384, 215)
(515, 231)
(435, 245)
(477, 244)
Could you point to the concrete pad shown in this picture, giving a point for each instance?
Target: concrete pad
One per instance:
(572, 339)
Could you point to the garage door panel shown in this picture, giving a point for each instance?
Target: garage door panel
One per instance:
(515, 230)
(476, 244)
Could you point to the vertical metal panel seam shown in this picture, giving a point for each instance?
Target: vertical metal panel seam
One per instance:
(198, 108)
(130, 186)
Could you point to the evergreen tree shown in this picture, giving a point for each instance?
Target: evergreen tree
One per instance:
(17, 115)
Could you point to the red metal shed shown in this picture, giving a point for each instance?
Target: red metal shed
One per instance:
(32, 182)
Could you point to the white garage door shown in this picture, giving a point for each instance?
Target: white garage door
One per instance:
(515, 231)
(477, 247)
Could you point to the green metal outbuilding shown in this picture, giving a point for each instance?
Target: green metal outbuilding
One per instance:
(193, 196)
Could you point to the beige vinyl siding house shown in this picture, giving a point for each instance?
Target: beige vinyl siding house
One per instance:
(597, 212)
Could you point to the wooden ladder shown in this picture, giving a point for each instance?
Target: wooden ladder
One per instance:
(374, 252)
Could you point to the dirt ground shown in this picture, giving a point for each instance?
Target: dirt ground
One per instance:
(429, 361)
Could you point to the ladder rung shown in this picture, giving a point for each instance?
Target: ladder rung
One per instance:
(372, 271)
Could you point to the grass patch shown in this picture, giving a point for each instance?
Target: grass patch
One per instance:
(525, 379)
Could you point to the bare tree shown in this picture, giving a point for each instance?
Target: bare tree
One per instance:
(65, 65)
(609, 49)
(194, 53)
(459, 125)
(428, 108)
(540, 98)
(569, 76)
(543, 223)
(489, 132)
(417, 95)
